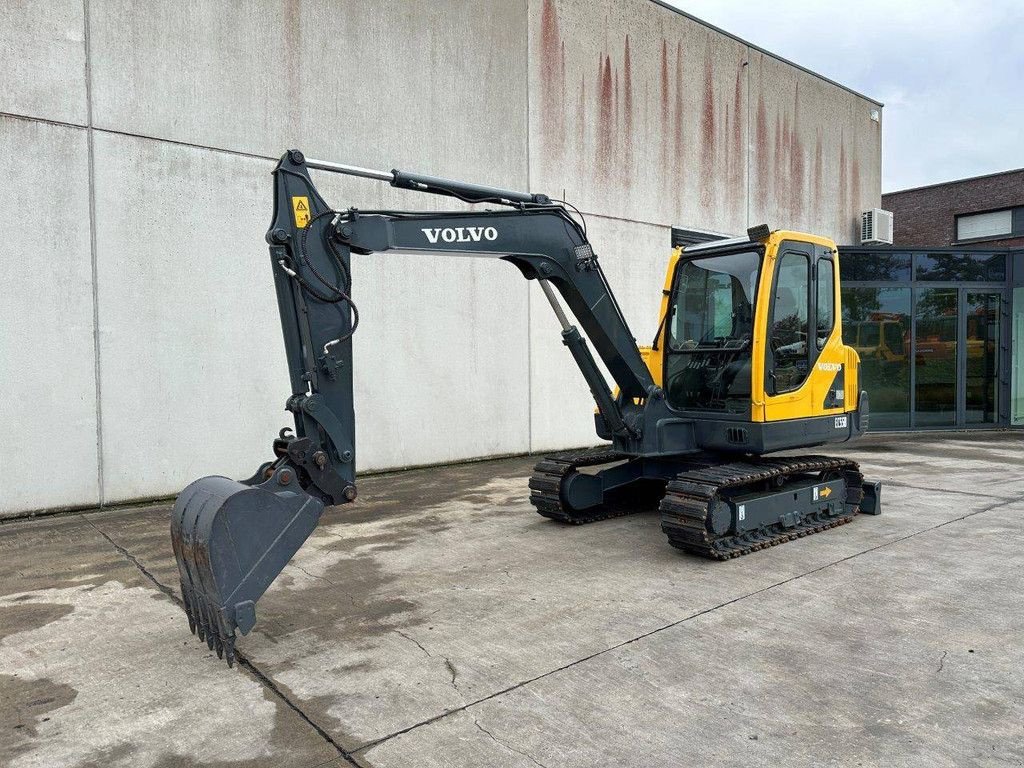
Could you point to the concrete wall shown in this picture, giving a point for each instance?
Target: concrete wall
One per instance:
(141, 345)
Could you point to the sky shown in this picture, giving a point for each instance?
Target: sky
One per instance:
(951, 74)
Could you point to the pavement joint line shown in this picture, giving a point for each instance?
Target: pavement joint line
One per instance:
(898, 484)
(243, 661)
(509, 689)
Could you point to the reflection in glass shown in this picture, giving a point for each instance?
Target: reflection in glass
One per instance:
(890, 266)
(935, 358)
(982, 357)
(788, 325)
(876, 322)
(962, 267)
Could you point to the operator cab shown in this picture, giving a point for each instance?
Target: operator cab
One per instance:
(752, 333)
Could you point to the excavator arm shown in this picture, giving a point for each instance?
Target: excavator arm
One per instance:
(231, 539)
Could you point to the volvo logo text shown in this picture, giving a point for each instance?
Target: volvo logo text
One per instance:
(460, 234)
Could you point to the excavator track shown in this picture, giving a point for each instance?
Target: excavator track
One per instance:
(692, 496)
(551, 471)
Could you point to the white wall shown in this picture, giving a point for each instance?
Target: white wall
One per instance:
(140, 343)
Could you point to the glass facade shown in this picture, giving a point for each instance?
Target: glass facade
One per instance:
(876, 322)
(982, 342)
(940, 334)
(935, 357)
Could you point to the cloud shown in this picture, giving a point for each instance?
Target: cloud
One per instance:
(951, 74)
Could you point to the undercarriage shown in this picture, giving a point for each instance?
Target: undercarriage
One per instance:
(713, 505)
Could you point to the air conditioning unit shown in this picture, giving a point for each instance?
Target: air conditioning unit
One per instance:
(876, 227)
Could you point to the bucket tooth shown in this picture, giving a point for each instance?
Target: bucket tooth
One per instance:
(211, 627)
(186, 599)
(231, 541)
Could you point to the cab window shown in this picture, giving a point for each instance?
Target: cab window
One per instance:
(711, 325)
(826, 301)
(788, 324)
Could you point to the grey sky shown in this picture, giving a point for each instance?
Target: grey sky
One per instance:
(951, 74)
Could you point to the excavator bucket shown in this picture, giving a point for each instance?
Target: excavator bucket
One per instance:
(231, 541)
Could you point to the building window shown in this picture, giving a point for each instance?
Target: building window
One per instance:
(876, 322)
(876, 265)
(962, 267)
(982, 225)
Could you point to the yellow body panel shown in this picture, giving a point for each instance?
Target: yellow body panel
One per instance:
(655, 357)
(808, 399)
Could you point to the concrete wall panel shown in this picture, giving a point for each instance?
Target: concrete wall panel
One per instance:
(634, 258)
(47, 365)
(815, 152)
(441, 359)
(42, 59)
(441, 352)
(638, 112)
(190, 347)
(193, 372)
(437, 87)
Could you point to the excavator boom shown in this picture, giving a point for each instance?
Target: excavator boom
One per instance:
(231, 539)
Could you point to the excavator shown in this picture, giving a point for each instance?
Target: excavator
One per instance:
(748, 360)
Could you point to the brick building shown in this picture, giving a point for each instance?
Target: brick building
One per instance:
(938, 317)
(985, 211)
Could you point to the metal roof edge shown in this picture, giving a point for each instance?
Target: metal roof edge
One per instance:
(664, 4)
(954, 181)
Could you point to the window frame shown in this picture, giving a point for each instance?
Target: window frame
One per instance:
(1016, 225)
(817, 270)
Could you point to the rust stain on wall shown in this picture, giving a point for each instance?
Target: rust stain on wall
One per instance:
(627, 106)
(855, 180)
(796, 163)
(819, 173)
(707, 132)
(844, 176)
(581, 121)
(679, 165)
(779, 156)
(663, 131)
(762, 147)
(552, 76)
(737, 159)
(666, 110)
(606, 121)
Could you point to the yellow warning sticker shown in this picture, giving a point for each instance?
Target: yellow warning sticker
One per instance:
(300, 206)
(826, 492)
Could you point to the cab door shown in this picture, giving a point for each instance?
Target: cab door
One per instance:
(805, 361)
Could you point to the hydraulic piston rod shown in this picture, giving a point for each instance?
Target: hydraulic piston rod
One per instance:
(577, 345)
(470, 193)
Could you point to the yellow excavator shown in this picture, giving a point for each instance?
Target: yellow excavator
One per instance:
(748, 360)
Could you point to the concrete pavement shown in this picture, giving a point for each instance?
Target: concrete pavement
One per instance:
(439, 622)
